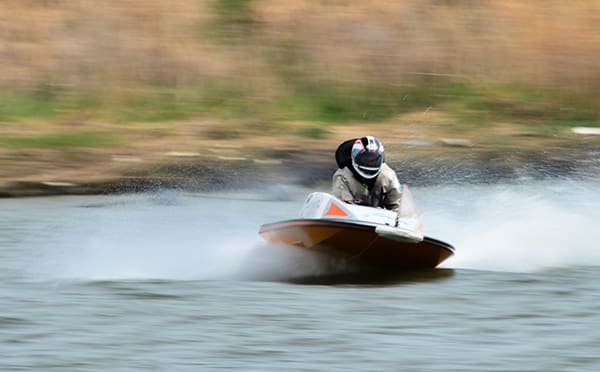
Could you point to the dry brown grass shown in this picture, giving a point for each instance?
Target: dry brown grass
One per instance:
(82, 42)
(552, 43)
(85, 42)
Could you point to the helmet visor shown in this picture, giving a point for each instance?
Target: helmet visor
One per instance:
(368, 164)
(369, 159)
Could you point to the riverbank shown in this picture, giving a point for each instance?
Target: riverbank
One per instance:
(209, 95)
(259, 162)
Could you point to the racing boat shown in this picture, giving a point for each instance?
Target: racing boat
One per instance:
(367, 236)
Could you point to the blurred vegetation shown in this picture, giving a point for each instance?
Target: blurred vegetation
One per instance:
(471, 104)
(272, 62)
(62, 140)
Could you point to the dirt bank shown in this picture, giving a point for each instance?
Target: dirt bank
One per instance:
(298, 162)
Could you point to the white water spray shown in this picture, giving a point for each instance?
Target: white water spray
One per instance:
(519, 228)
(189, 238)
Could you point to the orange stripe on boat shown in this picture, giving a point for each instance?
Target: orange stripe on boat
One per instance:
(335, 210)
(311, 223)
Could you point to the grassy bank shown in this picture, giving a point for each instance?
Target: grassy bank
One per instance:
(481, 105)
(108, 86)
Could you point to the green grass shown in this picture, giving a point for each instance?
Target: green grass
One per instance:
(233, 22)
(473, 105)
(226, 100)
(552, 127)
(150, 107)
(15, 107)
(315, 131)
(221, 100)
(232, 9)
(59, 140)
(143, 104)
(545, 110)
(338, 104)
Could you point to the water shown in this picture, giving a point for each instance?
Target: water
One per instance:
(175, 281)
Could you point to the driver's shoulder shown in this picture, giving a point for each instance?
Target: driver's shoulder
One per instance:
(345, 173)
(388, 177)
(387, 172)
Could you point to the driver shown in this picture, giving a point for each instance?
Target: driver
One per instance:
(363, 177)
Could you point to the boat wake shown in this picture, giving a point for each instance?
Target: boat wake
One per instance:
(520, 228)
(187, 239)
(235, 259)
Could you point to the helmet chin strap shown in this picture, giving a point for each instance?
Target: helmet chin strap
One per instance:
(368, 182)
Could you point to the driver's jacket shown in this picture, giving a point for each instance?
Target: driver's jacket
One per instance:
(385, 193)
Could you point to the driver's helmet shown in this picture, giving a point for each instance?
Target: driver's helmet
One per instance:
(367, 157)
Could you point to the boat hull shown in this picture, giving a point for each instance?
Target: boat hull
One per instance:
(358, 243)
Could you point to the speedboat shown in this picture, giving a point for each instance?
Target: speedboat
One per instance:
(366, 236)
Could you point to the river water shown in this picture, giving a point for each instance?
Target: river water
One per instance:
(181, 281)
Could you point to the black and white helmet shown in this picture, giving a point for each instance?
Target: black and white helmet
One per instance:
(367, 157)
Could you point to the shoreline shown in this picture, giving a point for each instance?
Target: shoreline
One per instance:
(418, 167)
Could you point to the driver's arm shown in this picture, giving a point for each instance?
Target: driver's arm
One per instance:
(341, 188)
